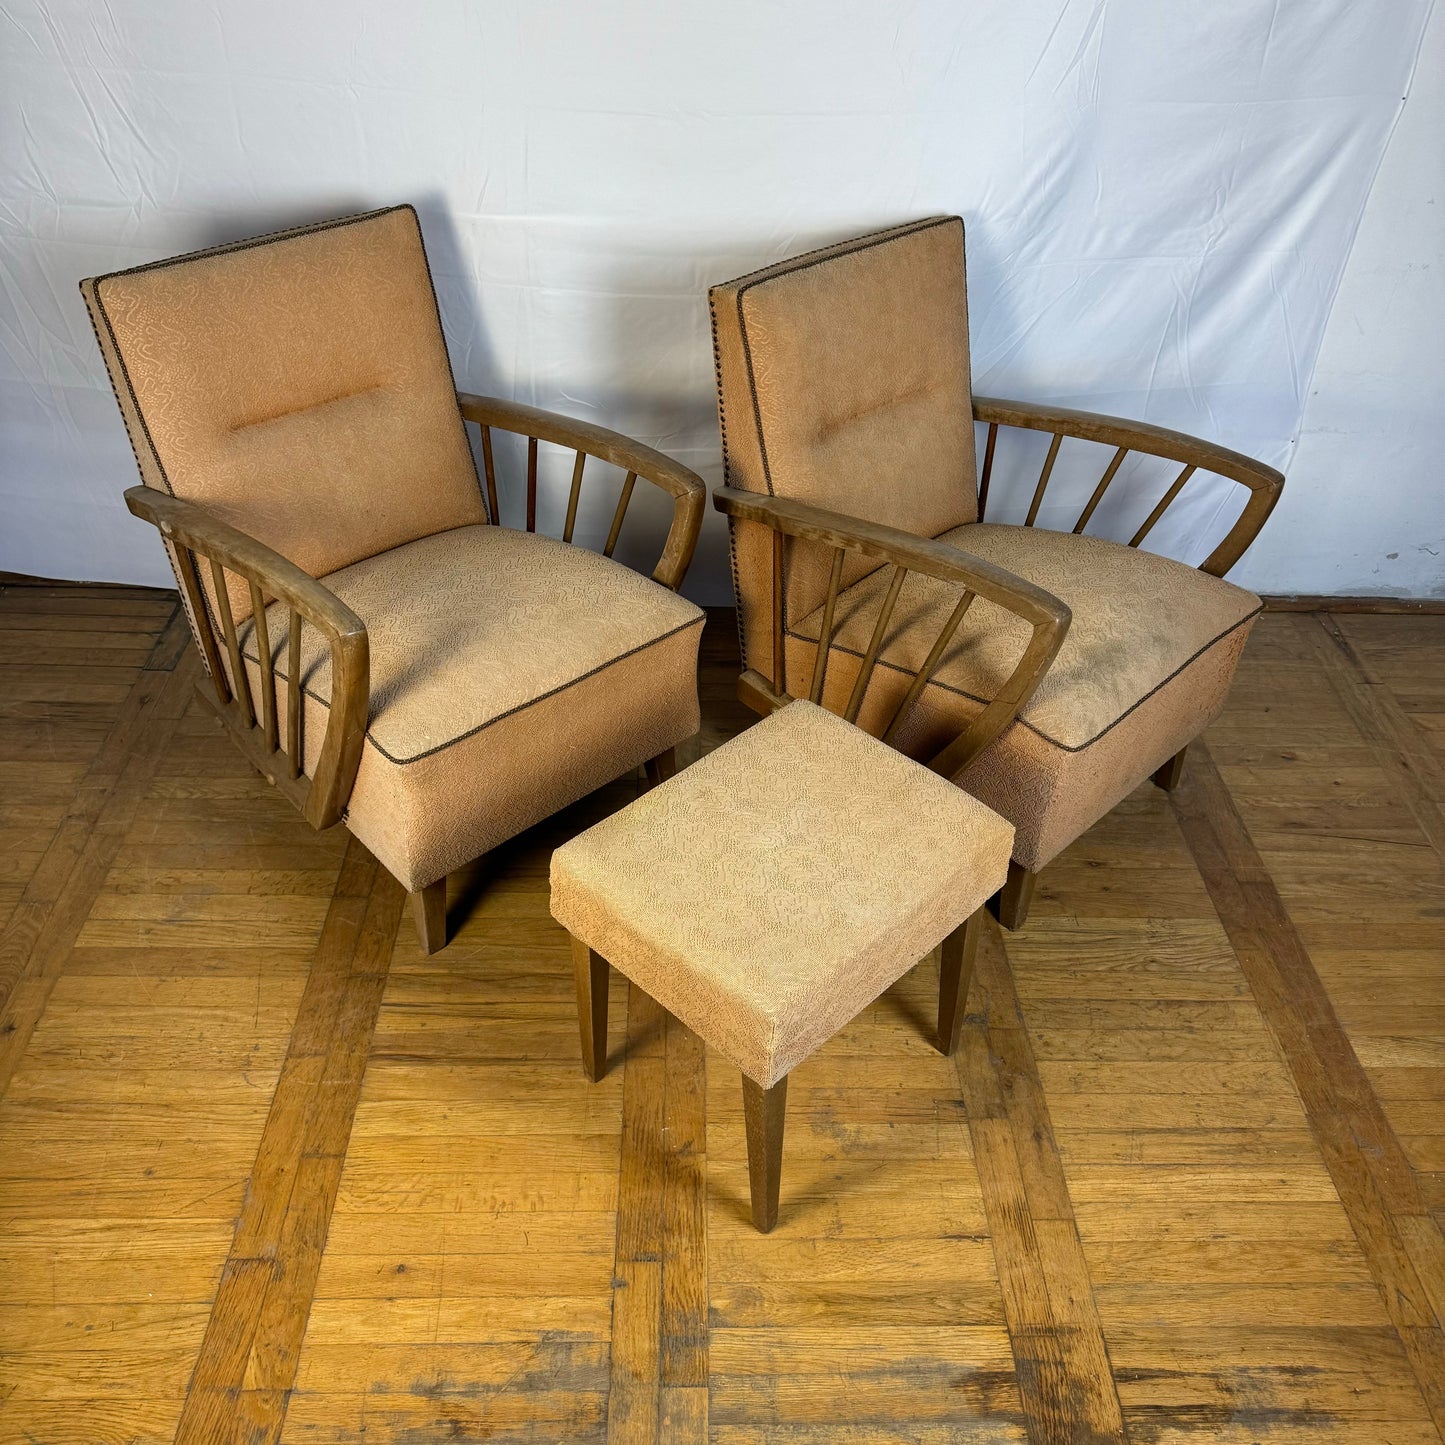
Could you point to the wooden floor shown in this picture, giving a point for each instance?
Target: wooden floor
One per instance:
(268, 1173)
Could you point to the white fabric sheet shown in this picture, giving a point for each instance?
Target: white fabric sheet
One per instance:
(1160, 198)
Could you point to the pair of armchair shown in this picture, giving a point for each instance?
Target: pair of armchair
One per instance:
(391, 656)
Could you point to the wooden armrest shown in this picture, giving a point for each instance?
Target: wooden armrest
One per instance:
(1046, 614)
(1193, 453)
(687, 489)
(194, 532)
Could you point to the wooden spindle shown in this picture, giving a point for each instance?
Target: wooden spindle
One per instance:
(240, 681)
(987, 467)
(1044, 478)
(1103, 487)
(926, 671)
(779, 672)
(268, 670)
(294, 756)
(531, 484)
(870, 658)
(573, 497)
(489, 466)
(1164, 502)
(201, 617)
(825, 632)
(620, 513)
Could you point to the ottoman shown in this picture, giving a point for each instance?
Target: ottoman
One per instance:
(770, 892)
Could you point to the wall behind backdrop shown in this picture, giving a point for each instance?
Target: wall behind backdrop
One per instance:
(1161, 199)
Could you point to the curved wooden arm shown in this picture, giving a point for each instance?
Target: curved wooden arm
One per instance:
(1046, 614)
(687, 489)
(192, 531)
(1193, 453)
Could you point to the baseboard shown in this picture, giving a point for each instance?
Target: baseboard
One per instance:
(1289, 603)
(1422, 605)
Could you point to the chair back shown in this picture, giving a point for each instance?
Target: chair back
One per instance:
(297, 386)
(843, 380)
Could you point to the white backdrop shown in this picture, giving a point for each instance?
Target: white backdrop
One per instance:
(1161, 198)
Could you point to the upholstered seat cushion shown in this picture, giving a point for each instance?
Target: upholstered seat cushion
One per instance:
(769, 892)
(510, 675)
(1146, 663)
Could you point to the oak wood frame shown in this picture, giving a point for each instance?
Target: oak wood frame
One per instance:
(800, 519)
(684, 486)
(194, 534)
(1046, 615)
(1264, 483)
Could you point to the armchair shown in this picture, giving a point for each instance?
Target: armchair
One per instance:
(377, 643)
(1047, 673)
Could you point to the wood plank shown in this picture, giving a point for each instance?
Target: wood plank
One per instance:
(1367, 1165)
(248, 1357)
(1060, 1358)
(46, 923)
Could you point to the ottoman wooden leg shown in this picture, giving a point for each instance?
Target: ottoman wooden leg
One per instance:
(955, 972)
(763, 1113)
(591, 970)
(1168, 776)
(661, 768)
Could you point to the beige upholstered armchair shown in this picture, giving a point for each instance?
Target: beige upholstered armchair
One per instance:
(378, 644)
(1047, 673)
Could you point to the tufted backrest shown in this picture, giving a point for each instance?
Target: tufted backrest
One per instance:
(843, 380)
(296, 385)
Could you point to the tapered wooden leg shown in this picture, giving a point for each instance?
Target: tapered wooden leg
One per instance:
(955, 973)
(429, 910)
(1168, 776)
(591, 970)
(1011, 902)
(661, 768)
(763, 1113)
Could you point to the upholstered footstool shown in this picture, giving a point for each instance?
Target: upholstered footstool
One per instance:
(767, 894)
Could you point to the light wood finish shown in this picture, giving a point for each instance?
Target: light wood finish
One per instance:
(955, 972)
(1182, 1179)
(429, 913)
(247, 1362)
(193, 534)
(1045, 614)
(1060, 1351)
(192, 531)
(1012, 902)
(764, 1114)
(683, 485)
(591, 972)
(1263, 483)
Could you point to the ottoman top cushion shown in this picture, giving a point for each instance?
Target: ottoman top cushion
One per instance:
(768, 893)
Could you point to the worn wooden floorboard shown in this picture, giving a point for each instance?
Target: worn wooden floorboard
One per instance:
(267, 1172)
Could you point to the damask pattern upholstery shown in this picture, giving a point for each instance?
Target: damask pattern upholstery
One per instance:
(1137, 620)
(298, 387)
(843, 380)
(510, 674)
(768, 893)
(1142, 625)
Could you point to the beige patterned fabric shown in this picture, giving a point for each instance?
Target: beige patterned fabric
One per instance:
(1137, 619)
(769, 892)
(511, 674)
(297, 386)
(1146, 664)
(843, 380)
